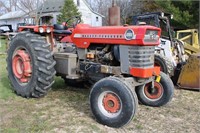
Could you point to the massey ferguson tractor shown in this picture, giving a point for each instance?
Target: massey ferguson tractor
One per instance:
(117, 61)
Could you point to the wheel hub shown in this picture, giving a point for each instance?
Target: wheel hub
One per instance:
(21, 66)
(111, 103)
(153, 93)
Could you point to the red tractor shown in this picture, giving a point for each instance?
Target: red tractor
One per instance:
(118, 61)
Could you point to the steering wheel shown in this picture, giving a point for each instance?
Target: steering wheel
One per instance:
(73, 21)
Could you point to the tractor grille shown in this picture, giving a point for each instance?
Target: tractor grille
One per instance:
(141, 56)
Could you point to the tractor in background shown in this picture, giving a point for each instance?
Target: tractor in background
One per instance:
(188, 75)
(6, 31)
(190, 37)
(118, 61)
(170, 52)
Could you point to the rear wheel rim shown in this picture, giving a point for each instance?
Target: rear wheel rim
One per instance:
(110, 104)
(153, 93)
(21, 66)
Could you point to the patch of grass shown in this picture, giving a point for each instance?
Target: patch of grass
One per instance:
(25, 123)
(139, 126)
(3, 43)
(5, 88)
(39, 125)
(68, 92)
(95, 128)
(10, 130)
(59, 84)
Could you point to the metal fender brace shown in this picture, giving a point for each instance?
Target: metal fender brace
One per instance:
(156, 73)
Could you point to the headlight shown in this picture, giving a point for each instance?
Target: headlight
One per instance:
(172, 16)
(129, 34)
(48, 30)
(162, 14)
(41, 30)
(151, 36)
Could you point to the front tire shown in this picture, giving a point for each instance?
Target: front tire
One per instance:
(30, 65)
(160, 95)
(112, 102)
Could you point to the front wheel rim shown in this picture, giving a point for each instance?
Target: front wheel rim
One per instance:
(109, 104)
(153, 93)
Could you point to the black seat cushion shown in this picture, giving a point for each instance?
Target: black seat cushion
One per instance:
(67, 32)
(60, 27)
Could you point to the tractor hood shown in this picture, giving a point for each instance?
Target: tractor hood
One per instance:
(83, 35)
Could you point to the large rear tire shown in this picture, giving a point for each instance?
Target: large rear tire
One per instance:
(112, 102)
(30, 65)
(160, 95)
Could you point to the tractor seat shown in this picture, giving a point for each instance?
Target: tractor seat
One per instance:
(67, 32)
(61, 29)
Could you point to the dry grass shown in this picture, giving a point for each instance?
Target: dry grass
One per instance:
(2, 45)
(66, 109)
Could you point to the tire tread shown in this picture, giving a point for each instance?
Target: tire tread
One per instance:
(44, 64)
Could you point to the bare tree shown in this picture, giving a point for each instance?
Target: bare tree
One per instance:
(127, 8)
(8, 5)
(29, 5)
(26, 6)
(101, 6)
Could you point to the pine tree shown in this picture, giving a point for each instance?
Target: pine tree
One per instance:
(186, 12)
(69, 10)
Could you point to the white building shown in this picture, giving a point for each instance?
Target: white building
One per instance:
(51, 10)
(15, 18)
(88, 15)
